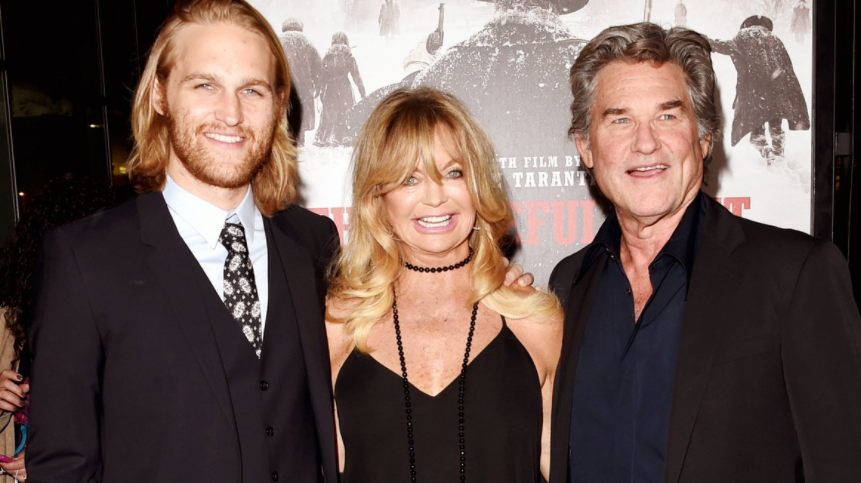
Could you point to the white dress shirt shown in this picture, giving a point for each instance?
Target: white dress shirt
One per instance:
(200, 223)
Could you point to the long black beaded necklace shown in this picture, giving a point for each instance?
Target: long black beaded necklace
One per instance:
(461, 379)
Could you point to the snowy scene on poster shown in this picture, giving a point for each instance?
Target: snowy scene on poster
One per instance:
(508, 61)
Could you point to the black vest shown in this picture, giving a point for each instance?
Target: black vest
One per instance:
(270, 397)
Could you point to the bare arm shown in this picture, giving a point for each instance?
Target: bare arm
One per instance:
(542, 338)
(340, 346)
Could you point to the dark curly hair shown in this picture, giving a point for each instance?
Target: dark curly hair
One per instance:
(62, 200)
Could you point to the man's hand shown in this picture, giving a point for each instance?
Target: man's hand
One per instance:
(516, 278)
(12, 392)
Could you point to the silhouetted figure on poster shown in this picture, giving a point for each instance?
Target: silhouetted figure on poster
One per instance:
(305, 70)
(388, 20)
(426, 53)
(767, 90)
(681, 15)
(337, 94)
(800, 21)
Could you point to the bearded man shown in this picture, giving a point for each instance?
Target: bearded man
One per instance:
(179, 337)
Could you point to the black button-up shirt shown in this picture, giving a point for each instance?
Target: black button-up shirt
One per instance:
(623, 389)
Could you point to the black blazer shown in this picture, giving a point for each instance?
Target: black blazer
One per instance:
(768, 378)
(134, 378)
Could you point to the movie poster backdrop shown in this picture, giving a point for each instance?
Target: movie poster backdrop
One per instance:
(508, 61)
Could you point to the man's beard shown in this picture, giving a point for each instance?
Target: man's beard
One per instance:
(203, 163)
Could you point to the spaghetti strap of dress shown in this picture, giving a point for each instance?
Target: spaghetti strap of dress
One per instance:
(503, 414)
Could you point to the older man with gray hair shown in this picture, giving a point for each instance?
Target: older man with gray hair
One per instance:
(699, 347)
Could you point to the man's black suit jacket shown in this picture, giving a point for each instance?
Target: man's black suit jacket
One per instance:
(135, 376)
(768, 379)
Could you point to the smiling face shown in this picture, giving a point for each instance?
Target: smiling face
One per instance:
(643, 149)
(432, 221)
(220, 104)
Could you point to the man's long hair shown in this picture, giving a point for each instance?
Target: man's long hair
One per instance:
(274, 183)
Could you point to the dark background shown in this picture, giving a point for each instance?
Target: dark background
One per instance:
(68, 72)
(67, 77)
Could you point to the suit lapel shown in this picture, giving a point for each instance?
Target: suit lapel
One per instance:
(713, 283)
(577, 309)
(304, 287)
(177, 273)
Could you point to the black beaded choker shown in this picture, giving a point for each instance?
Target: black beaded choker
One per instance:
(460, 390)
(440, 269)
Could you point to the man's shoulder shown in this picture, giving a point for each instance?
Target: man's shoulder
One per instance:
(763, 237)
(790, 248)
(105, 223)
(304, 219)
(765, 233)
(315, 233)
(565, 271)
(310, 229)
(98, 240)
(782, 250)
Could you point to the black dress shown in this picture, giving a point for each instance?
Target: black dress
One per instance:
(502, 415)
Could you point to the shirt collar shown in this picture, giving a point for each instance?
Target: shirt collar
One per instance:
(682, 245)
(204, 217)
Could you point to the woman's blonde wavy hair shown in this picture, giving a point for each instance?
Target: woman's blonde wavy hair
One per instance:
(274, 184)
(399, 133)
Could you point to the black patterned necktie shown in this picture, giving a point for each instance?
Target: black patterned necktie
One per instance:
(240, 289)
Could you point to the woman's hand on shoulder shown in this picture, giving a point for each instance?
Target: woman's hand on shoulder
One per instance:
(517, 278)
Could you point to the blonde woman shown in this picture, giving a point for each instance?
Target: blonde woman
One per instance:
(441, 372)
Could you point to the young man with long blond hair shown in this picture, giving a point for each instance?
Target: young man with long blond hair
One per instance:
(179, 337)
